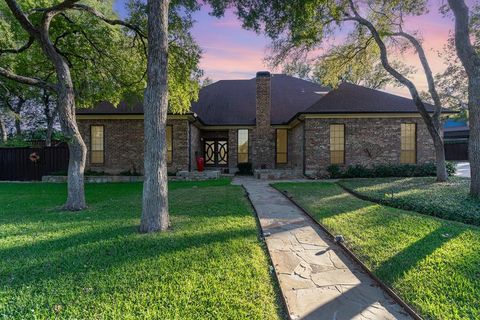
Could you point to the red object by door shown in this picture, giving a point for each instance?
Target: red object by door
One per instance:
(200, 164)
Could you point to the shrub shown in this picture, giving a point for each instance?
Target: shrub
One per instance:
(357, 171)
(245, 168)
(334, 171)
(388, 170)
(451, 168)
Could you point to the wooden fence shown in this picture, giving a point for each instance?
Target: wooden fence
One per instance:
(456, 151)
(26, 164)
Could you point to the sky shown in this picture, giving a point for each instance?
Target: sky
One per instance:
(230, 52)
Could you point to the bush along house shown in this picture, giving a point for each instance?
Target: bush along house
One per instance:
(279, 125)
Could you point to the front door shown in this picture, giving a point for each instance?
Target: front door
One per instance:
(216, 152)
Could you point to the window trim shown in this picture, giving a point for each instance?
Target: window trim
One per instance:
(276, 147)
(91, 144)
(166, 140)
(414, 140)
(238, 146)
(344, 158)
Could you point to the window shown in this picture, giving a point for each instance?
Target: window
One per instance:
(337, 143)
(282, 145)
(242, 148)
(408, 152)
(97, 144)
(169, 144)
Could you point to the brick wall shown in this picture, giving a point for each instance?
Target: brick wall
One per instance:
(368, 141)
(124, 145)
(263, 137)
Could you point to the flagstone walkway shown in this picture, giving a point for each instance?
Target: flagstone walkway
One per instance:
(317, 280)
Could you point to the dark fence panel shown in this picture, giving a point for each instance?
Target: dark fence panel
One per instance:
(25, 164)
(456, 151)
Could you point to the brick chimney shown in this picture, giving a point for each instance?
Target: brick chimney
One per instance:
(264, 134)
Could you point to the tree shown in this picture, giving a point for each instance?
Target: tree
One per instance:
(173, 80)
(68, 36)
(467, 27)
(297, 27)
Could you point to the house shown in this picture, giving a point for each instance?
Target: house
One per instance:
(273, 121)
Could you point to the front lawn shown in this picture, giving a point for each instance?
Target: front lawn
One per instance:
(448, 200)
(94, 264)
(433, 264)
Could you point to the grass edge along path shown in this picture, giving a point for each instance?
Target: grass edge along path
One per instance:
(433, 264)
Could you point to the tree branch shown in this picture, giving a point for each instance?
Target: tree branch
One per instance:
(466, 52)
(98, 14)
(427, 70)
(386, 64)
(27, 80)
(22, 18)
(21, 49)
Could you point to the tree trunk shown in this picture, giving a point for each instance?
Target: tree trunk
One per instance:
(440, 159)
(66, 114)
(18, 124)
(50, 116)
(3, 131)
(474, 140)
(470, 59)
(77, 150)
(48, 134)
(155, 190)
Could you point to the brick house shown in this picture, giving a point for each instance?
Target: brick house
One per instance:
(272, 121)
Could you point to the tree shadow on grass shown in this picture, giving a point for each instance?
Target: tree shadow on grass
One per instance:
(405, 260)
(100, 250)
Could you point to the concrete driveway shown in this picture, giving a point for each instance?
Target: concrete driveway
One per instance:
(463, 169)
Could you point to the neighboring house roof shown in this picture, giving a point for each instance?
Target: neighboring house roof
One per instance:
(351, 98)
(229, 102)
(459, 132)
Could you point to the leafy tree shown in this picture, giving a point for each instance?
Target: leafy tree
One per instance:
(80, 56)
(299, 27)
(467, 44)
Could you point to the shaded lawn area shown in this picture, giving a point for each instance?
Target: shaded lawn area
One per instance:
(94, 264)
(449, 200)
(433, 264)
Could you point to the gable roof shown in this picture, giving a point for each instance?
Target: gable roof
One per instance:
(351, 98)
(233, 102)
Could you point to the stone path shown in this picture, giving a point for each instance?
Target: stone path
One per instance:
(317, 280)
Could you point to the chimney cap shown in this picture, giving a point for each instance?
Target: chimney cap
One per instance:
(263, 74)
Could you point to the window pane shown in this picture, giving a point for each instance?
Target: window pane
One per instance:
(169, 144)
(242, 148)
(96, 144)
(282, 145)
(408, 142)
(337, 144)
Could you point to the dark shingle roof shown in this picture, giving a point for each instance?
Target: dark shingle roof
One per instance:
(351, 98)
(229, 102)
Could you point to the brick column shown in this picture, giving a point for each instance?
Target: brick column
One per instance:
(263, 142)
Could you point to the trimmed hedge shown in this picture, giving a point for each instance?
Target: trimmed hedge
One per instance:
(388, 170)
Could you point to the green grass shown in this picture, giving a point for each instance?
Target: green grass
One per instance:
(433, 264)
(449, 200)
(94, 264)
